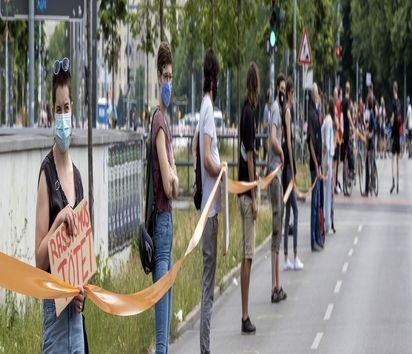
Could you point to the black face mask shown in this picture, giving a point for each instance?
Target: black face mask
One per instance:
(214, 90)
(282, 99)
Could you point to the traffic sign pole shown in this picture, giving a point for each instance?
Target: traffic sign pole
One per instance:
(31, 63)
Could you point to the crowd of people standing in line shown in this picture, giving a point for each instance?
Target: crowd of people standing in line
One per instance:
(329, 120)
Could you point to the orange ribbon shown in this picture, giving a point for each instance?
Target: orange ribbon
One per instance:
(239, 187)
(31, 281)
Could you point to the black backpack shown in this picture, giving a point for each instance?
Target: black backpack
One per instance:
(146, 245)
(197, 186)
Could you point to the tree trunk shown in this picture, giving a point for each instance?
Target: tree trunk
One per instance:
(213, 24)
(162, 33)
(238, 62)
(147, 83)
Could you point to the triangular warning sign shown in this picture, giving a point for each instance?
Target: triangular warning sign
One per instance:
(305, 54)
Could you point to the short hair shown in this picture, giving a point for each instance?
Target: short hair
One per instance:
(279, 79)
(347, 88)
(164, 56)
(395, 86)
(210, 70)
(63, 78)
(289, 86)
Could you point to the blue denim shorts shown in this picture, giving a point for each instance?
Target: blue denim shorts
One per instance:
(63, 334)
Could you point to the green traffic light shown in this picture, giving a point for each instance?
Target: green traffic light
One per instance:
(272, 39)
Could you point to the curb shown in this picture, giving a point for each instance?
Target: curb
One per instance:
(227, 280)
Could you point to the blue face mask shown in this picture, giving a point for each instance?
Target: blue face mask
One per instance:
(166, 93)
(63, 130)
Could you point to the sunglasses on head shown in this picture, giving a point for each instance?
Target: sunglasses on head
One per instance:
(63, 64)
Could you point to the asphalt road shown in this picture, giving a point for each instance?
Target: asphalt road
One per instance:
(353, 297)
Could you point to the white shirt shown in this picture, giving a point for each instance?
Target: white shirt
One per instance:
(409, 114)
(207, 126)
(327, 136)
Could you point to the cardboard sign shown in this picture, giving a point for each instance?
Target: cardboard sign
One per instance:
(72, 257)
(225, 208)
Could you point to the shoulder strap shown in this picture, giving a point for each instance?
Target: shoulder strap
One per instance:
(150, 200)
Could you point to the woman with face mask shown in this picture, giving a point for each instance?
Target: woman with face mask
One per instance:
(59, 191)
(165, 186)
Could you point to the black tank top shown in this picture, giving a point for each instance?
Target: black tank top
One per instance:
(57, 198)
(285, 143)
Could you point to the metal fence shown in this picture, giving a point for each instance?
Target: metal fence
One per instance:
(125, 192)
(229, 139)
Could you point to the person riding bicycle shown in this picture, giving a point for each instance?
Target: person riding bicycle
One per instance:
(370, 156)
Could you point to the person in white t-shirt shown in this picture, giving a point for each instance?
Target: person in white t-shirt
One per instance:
(329, 152)
(210, 169)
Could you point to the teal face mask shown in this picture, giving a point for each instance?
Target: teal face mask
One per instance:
(63, 130)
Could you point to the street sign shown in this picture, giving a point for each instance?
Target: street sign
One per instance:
(368, 79)
(307, 79)
(305, 54)
(43, 10)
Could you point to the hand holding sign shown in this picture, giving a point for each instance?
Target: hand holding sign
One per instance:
(71, 251)
(67, 216)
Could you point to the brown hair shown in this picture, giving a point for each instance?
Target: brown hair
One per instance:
(279, 79)
(63, 78)
(289, 87)
(164, 56)
(369, 101)
(210, 70)
(252, 84)
(331, 109)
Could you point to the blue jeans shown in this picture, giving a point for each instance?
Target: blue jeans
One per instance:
(163, 237)
(63, 334)
(328, 197)
(291, 203)
(315, 237)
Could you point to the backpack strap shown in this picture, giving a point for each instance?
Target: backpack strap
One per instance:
(149, 171)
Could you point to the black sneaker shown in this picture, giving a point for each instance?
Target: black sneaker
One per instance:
(248, 327)
(278, 295)
(274, 298)
(281, 294)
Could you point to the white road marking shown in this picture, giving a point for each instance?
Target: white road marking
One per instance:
(350, 252)
(360, 227)
(337, 286)
(355, 241)
(316, 341)
(345, 267)
(328, 312)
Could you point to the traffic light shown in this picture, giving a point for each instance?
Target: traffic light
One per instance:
(338, 52)
(273, 24)
(277, 16)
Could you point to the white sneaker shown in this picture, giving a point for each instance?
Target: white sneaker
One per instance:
(287, 265)
(298, 264)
